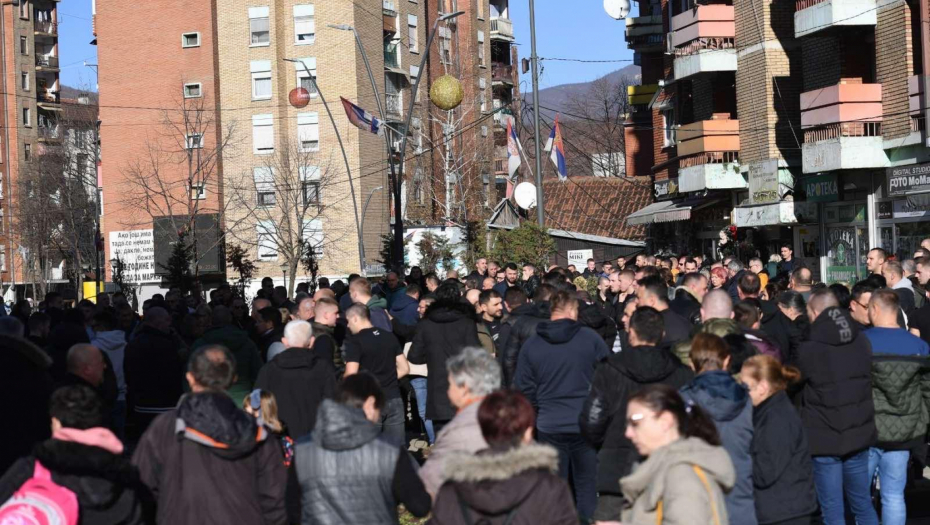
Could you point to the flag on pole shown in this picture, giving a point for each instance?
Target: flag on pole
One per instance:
(556, 149)
(513, 149)
(361, 118)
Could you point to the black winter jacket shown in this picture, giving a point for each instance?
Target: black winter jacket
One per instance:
(732, 286)
(154, 369)
(447, 328)
(25, 378)
(836, 395)
(107, 486)
(781, 466)
(899, 384)
(687, 306)
(593, 317)
(299, 380)
(524, 327)
(603, 416)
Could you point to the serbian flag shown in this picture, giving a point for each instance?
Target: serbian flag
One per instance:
(556, 149)
(361, 118)
(513, 150)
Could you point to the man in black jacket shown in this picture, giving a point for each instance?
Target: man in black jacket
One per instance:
(603, 418)
(735, 270)
(688, 297)
(524, 328)
(652, 292)
(836, 409)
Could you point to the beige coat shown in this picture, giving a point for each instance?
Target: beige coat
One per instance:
(668, 476)
(462, 434)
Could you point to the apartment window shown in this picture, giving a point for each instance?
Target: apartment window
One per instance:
(414, 71)
(267, 244)
(413, 37)
(418, 186)
(3, 258)
(481, 49)
(262, 134)
(445, 45)
(486, 189)
(99, 202)
(312, 235)
(193, 90)
(23, 45)
(668, 124)
(304, 25)
(24, 9)
(311, 193)
(190, 40)
(24, 81)
(264, 185)
(198, 192)
(261, 79)
(259, 26)
(194, 140)
(480, 9)
(308, 131)
(27, 152)
(482, 95)
(303, 77)
(27, 117)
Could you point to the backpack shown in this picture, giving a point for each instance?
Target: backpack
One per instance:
(40, 501)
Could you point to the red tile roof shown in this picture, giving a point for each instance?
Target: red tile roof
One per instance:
(597, 205)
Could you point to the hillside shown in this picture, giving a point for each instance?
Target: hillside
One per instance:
(557, 97)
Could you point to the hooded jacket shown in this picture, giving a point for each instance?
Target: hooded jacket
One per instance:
(525, 320)
(492, 485)
(248, 359)
(299, 380)
(113, 343)
(404, 309)
(668, 476)
(728, 404)
(107, 486)
(781, 466)
(25, 378)
(154, 370)
(603, 416)
(555, 370)
(835, 401)
(686, 305)
(207, 462)
(446, 328)
(348, 475)
(377, 308)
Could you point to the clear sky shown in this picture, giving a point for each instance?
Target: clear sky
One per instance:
(578, 29)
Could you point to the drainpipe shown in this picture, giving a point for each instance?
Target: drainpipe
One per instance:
(925, 59)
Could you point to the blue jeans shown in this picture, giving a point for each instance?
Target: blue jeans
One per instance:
(419, 388)
(579, 458)
(836, 477)
(392, 421)
(892, 474)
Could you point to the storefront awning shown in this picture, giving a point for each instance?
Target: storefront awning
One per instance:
(775, 214)
(669, 211)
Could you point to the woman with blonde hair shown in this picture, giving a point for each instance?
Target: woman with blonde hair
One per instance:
(781, 469)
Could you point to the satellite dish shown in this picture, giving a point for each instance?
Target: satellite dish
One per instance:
(617, 9)
(525, 195)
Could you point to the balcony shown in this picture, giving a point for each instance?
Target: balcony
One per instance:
(48, 97)
(46, 28)
(708, 153)
(49, 133)
(703, 40)
(501, 29)
(391, 58)
(46, 62)
(817, 15)
(842, 128)
(393, 106)
(501, 74)
(645, 34)
(641, 95)
(914, 90)
(501, 116)
(389, 16)
(500, 167)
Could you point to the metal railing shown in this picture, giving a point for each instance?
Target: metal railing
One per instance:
(918, 123)
(502, 27)
(843, 129)
(500, 166)
(502, 73)
(804, 4)
(46, 61)
(707, 43)
(46, 27)
(393, 104)
(52, 97)
(709, 157)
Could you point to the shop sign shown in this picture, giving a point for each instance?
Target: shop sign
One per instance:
(909, 179)
(666, 189)
(136, 250)
(822, 188)
(841, 253)
(885, 210)
(914, 206)
(580, 257)
(763, 181)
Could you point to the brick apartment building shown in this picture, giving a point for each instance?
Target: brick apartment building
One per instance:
(798, 122)
(256, 156)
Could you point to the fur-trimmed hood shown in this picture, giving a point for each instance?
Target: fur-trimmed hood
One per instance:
(494, 482)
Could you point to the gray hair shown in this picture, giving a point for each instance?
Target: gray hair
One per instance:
(909, 266)
(475, 368)
(298, 334)
(735, 265)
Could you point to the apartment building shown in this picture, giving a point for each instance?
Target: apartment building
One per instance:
(800, 123)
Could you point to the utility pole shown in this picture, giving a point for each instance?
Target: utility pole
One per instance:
(534, 63)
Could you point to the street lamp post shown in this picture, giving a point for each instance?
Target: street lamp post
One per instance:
(534, 59)
(368, 200)
(395, 177)
(345, 158)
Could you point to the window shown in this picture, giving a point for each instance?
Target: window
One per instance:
(481, 49)
(190, 40)
(482, 95)
(480, 9)
(100, 202)
(413, 37)
(414, 71)
(267, 243)
(24, 81)
(668, 124)
(27, 117)
(23, 46)
(304, 26)
(312, 235)
(259, 26)
(27, 152)
(303, 79)
(194, 141)
(311, 193)
(308, 131)
(418, 186)
(3, 258)
(445, 45)
(264, 185)
(486, 189)
(262, 134)
(24, 9)
(198, 192)
(193, 90)
(261, 79)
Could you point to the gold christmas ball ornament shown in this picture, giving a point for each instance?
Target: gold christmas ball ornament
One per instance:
(446, 92)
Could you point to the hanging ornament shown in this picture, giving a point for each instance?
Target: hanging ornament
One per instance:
(299, 97)
(446, 92)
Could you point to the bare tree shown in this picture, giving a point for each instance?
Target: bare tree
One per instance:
(595, 124)
(282, 207)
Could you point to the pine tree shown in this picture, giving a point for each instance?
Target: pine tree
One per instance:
(180, 263)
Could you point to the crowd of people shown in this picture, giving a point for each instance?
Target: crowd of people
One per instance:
(675, 390)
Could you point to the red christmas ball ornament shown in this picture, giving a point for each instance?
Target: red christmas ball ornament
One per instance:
(299, 97)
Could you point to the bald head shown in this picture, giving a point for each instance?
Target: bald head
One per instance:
(716, 305)
(86, 362)
(820, 301)
(472, 296)
(324, 292)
